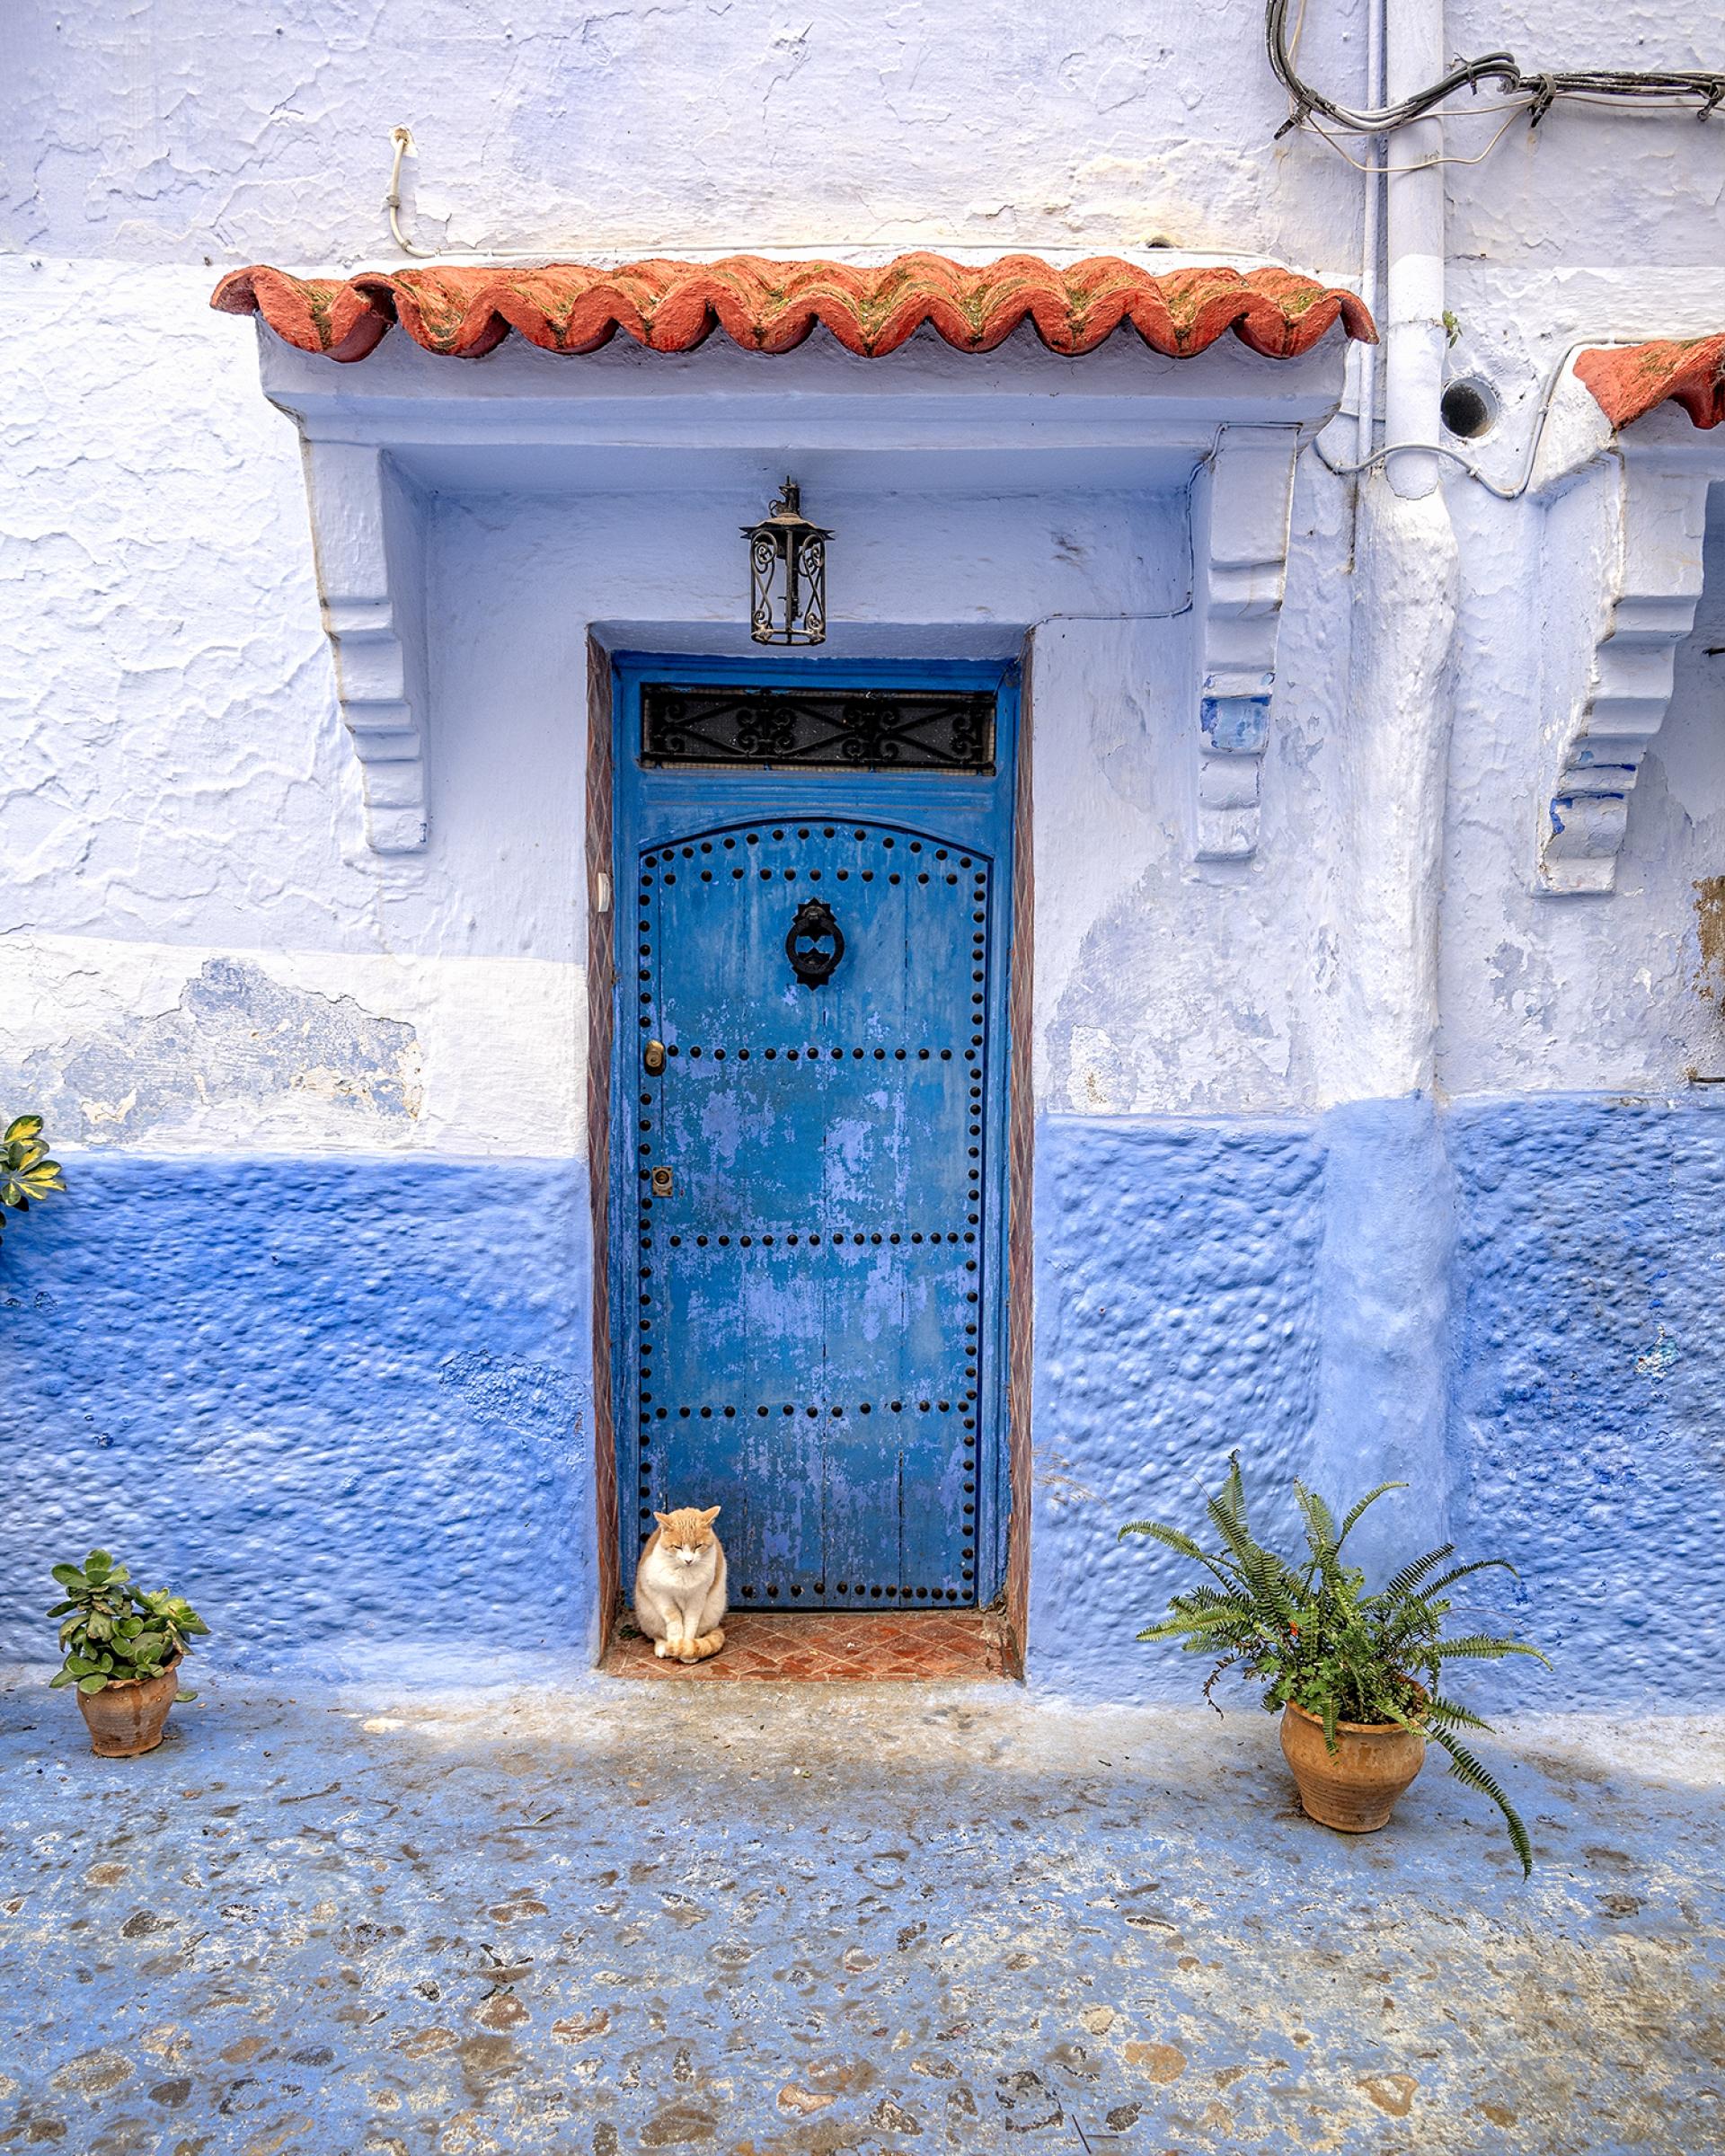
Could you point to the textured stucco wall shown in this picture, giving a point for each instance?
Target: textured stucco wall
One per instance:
(1187, 1304)
(1587, 1445)
(182, 131)
(344, 1402)
(1332, 1163)
(1177, 1319)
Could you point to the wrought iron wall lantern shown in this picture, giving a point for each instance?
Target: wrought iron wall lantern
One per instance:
(787, 574)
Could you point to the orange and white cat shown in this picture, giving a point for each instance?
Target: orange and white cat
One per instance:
(680, 1585)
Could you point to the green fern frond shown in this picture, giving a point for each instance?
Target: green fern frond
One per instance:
(1480, 1564)
(1441, 1713)
(1466, 1768)
(1170, 1538)
(1190, 1622)
(1409, 1577)
(1356, 1512)
(1275, 1587)
(1320, 1522)
(1479, 1647)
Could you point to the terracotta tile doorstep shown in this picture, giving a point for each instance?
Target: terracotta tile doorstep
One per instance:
(792, 1647)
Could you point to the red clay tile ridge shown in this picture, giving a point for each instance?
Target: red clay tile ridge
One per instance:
(769, 306)
(1631, 380)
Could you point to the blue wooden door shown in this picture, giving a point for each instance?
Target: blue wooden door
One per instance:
(810, 1080)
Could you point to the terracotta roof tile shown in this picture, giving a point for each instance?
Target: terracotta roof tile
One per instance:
(770, 306)
(1634, 378)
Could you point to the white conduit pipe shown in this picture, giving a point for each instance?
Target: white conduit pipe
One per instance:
(1414, 337)
(1376, 149)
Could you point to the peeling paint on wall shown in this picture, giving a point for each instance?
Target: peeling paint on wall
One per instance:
(236, 1035)
(1709, 936)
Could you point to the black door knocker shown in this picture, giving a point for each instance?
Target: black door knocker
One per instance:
(815, 944)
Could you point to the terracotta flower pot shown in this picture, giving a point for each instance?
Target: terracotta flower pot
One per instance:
(1354, 1788)
(125, 1719)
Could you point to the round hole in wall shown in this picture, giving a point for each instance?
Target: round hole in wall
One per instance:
(1468, 409)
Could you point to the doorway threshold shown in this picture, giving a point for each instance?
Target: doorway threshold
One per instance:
(814, 1647)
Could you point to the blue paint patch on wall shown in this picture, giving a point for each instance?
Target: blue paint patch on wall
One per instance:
(1177, 1318)
(1238, 725)
(1587, 1443)
(341, 1403)
(236, 1035)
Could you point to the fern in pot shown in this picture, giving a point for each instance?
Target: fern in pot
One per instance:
(122, 1648)
(1357, 1676)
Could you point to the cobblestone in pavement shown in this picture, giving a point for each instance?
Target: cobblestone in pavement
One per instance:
(762, 1919)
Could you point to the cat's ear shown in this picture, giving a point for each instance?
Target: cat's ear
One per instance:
(710, 1515)
(664, 1518)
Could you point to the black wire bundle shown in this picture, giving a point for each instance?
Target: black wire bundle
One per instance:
(1502, 71)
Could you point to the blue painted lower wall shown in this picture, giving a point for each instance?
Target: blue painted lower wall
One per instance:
(344, 1403)
(339, 1403)
(1588, 1427)
(1515, 1304)
(1176, 1317)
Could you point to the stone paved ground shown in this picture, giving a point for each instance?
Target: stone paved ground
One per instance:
(759, 1919)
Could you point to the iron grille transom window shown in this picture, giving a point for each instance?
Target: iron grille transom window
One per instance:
(833, 730)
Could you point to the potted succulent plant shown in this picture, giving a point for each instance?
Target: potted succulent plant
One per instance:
(123, 1649)
(1356, 1676)
(26, 1172)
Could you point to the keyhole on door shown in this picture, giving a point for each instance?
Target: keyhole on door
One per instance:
(815, 944)
(662, 1184)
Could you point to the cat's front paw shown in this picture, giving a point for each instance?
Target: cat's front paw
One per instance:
(662, 1648)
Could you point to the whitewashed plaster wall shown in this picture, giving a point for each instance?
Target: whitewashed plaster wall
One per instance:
(175, 131)
(148, 143)
(184, 798)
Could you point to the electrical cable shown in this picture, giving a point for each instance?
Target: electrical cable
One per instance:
(1424, 164)
(1454, 456)
(402, 138)
(1687, 89)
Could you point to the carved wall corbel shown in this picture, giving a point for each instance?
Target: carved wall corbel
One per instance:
(367, 538)
(1241, 515)
(1648, 564)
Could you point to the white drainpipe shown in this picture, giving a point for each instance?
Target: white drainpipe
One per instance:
(1387, 1256)
(1373, 96)
(1415, 338)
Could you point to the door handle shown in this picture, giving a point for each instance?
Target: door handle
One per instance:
(815, 943)
(653, 1057)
